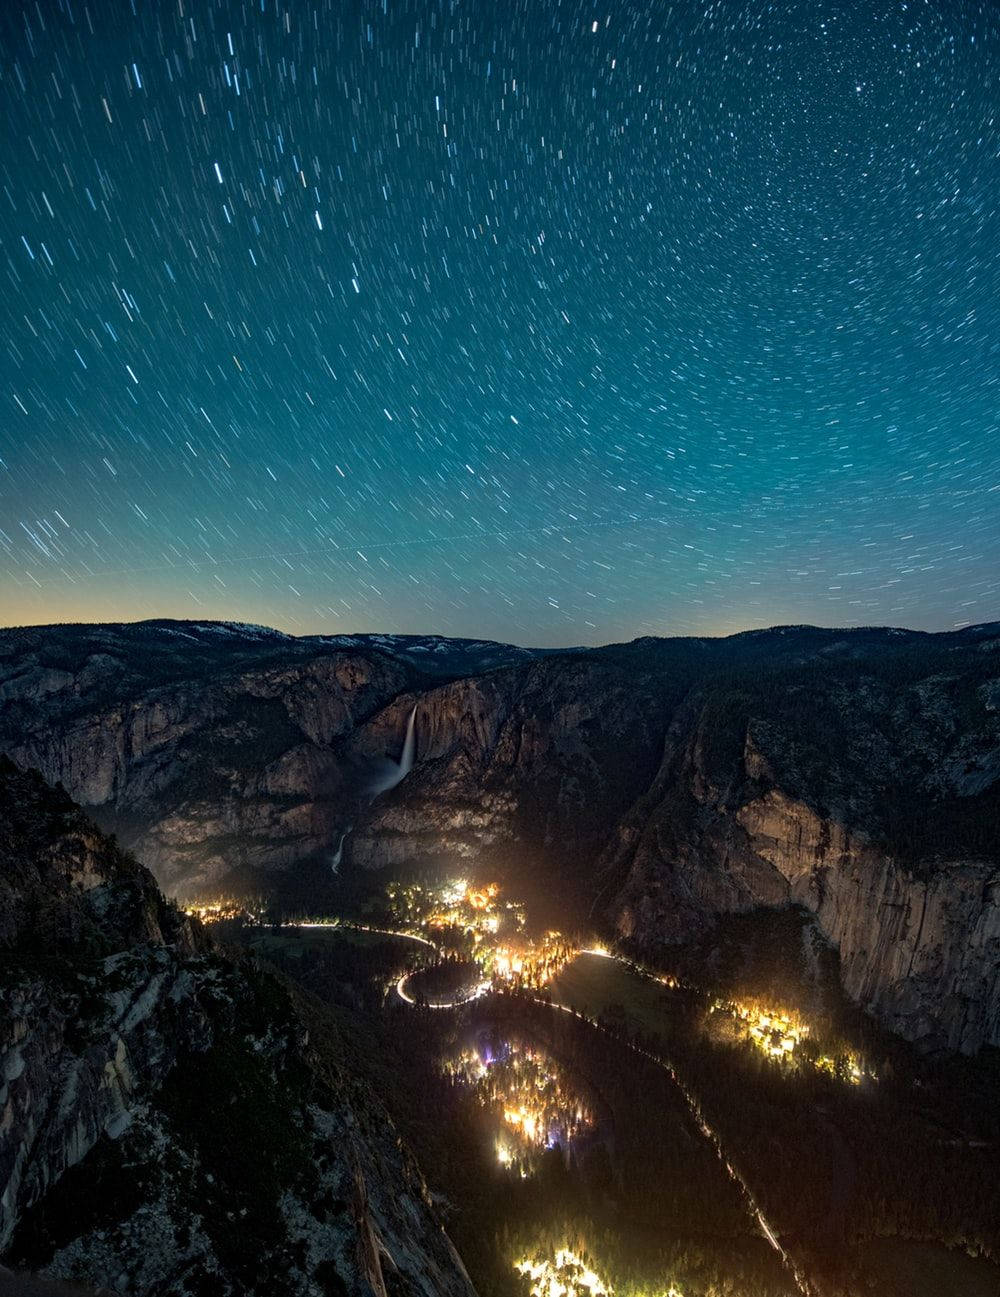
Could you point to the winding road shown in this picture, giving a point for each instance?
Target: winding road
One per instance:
(401, 990)
(802, 1282)
(475, 994)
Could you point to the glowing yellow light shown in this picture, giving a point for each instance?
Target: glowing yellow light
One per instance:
(778, 1035)
(525, 1091)
(221, 908)
(567, 1274)
(563, 1275)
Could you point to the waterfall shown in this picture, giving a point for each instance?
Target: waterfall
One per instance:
(387, 773)
(338, 855)
(409, 744)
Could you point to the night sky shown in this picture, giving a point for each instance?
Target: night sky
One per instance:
(549, 322)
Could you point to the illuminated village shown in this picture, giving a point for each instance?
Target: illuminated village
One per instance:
(474, 912)
(473, 939)
(528, 1095)
(780, 1035)
(479, 922)
(532, 964)
(225, 908)
(562, 1275)
(565, 1274)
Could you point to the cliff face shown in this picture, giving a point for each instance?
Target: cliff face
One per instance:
(173, 1120)
(526, 759)
(670, 781)
(208, 757)
(231, 756)
(919, 949)
(872, 802)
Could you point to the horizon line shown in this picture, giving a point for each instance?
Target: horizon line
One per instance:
(957, 629)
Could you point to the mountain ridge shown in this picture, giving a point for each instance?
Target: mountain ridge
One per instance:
(674, 780)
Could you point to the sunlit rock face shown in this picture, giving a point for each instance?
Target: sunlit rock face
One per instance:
(154, 1092)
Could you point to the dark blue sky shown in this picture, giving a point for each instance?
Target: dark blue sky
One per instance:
(551, 322)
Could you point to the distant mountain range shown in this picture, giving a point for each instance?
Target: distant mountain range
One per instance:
(656, 784)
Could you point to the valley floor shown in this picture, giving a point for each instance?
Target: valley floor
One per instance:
(815, 1149)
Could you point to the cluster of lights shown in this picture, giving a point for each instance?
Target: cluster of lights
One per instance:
(775, 1034)
(847, 1066)
(532, 964)
(562, 1275)
(565, 1274)
(531, 1100)
(215, 911)
(778, 1035)
(477, 913)
(488, 926)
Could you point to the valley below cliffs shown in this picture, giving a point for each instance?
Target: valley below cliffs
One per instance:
(652, 786)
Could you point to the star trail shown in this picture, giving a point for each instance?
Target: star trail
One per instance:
(552, 322)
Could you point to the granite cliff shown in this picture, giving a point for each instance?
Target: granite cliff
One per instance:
(865, 790)
(209, 752)
(664, 782)
(174, 1119)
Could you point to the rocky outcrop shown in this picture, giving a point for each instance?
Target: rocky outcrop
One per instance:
(920, 952)
(85, 936)
(172, 1120)
(224, 758)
